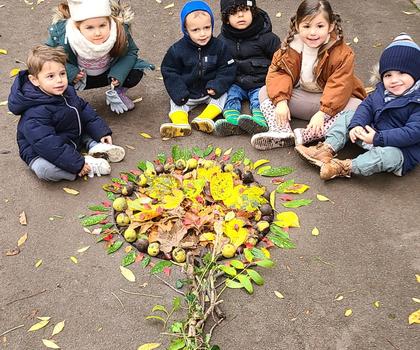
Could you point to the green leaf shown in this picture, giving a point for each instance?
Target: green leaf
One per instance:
(176, 303)
(98, 208)
(160, 308)
(177, 344)
(110, 196)
(179, 284)
(263, 168)
(176, 327)
(233, 284)
(119, 181)
(176, 153)
(248, 255)
(93, 220)
(246, 282)
(255, 276)
(129, 259)
(273, 172)
(158, 268)
(131, 177)
(215, 347)
(238, 156)
(247, 161)
(258, 253)
(297, 203)
(198, 152)
(150, 166)
(284, 185)
(265, 263)
(281, 241)
(231, 271)
(153, 317)
(208, 150)
(105, 227)
(114, 247)
(186, 154)
(162, 157)
(142, 165)
(278, 231)
(237, 264)
(145, 262)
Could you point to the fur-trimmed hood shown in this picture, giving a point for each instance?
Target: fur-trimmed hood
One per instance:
(119, 9)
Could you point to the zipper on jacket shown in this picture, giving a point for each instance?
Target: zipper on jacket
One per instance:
(200, 64)
(77, 113)
(287, 69)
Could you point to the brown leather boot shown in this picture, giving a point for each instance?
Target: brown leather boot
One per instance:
(334, 168)
(316, 155)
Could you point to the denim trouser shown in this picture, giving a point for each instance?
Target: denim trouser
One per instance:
(50, 172)
(375, 160)
(236, 95)
(192, 103)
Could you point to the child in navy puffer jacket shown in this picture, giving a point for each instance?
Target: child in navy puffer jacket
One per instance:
(386, 123)
(55, 123)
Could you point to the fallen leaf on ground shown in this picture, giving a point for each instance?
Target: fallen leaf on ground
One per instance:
(145, 135)
(22, 239)
(50, 344)
(278, 294)
(418, 278)
(287, 219)
(128, 274)
(58, 328)
(3, 52)
(14, 72)
(322, 198)
(22, 219)
(43, 318)
(409, 12)
(348, 312)
(414, 317)
(377, 304)
(3, 103)
(416, 300)
(81, 250)
(149, 346)
(278, 14)
(12, 252)
(38, 263)
(38, 325)
(73, 259)
(169, 6)
(355, 39)
(138, 100)
(315, 231)
(71, 191)
(339, 297)
(130, 147)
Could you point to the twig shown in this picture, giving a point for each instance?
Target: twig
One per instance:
(27, 297)
(324, 262)
(208, 312)
(395, 347)
(169, 285)
(142, 294)
(115, 295)
(214, 326)
(12, 329)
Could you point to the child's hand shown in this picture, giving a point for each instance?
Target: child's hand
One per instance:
(211, 92)
(85, 170)
(355, 133)
(317, 122)
(107, 139)
(115, 82)
(79, 76)
(282, 113)
(367, 135)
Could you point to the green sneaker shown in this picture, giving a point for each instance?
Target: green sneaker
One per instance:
(224, 128)
(254, 124)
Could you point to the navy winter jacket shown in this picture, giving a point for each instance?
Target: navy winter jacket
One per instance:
(188, 69)
(51, 126)
(397, 123)
(252, 48)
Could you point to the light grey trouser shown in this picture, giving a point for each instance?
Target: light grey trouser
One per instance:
(50, 172)
(303, 104)
(375, 160)
(192, 103)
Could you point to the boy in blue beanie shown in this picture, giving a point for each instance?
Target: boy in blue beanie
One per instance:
(196, 69)
(386, 123)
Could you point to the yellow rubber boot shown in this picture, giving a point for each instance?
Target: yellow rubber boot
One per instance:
(204, 122)
(179, 126)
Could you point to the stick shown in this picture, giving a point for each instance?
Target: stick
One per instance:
(29, 296)
(142, 294)
(169, 285)
(12, 329)
(118, 300)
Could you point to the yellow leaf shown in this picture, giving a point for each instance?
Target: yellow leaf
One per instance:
(234, 229)
(266, 252)
(174, 200)
(229, 216)
(348, 312)
(322, 198)
(227, 152)
(377, 304)
(50, 344)
(278, 294)
(221, 186)
(260, 162)
(339, 297)
(278, 14)
(128, 274)
(14, 72)
(3, 52)
(38, 263)
(287, 219)
(128, 249)
(263, 168)
(73, 259)
(22, 239)
(416, 300)
(355, 39)
(315, 231)
(409, 12)
(3, 103)
(418, 278)
(38, 325)
(273, 199)
(168, 7)
(70, 191)
(414, 317)
(138, 100)
(82, 250)
(296, 188)
(377, 45)
(148, 346)
(217, 152)
(207, 236)
(58, 328)
(145, 135)
(43, 318)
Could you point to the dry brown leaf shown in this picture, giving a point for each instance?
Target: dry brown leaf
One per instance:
(22, 219)
(130, 147)
(12, 252)
(71, 191)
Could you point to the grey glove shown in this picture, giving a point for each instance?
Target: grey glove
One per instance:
(81, 84)
(114, 101)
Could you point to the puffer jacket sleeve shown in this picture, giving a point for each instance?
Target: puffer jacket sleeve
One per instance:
(226, 72)
(172, 77)
(271, 44)
(364, 113)
(279, 83)
(42, 137)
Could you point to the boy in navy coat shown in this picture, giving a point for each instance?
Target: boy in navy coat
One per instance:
(55, 123)
(197, 69)
(386, 123)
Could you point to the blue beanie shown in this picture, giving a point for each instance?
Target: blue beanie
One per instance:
(192, 6)
(403, 55)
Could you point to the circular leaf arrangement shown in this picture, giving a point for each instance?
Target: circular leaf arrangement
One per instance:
(183, 203)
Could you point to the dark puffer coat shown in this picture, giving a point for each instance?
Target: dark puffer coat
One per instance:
(51, 126)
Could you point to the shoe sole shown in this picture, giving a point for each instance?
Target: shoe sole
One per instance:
(203, 126)
(251, 127)
(113, 155)
(223, 128)
(265, 143)
(171, 131)
(312, 161)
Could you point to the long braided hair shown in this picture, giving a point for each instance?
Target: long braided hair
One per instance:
(312, 8)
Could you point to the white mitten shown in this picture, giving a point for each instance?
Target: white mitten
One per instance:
(114, 101)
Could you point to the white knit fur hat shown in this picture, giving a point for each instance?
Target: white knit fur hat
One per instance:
(84, 9)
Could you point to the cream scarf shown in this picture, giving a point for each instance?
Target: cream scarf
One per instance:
(83, 47)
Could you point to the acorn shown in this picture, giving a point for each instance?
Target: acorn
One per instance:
(159, 169)
(128, 189)
(247, 178)
(240, 249)
(266, 209)
(268, 218)
(142, 243)
(238, 172)
(266, 194)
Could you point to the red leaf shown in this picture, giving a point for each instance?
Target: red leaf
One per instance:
(169, 160)
(135, 172)
(106, 204)
(286, 197)
(212, 156)
(267, 242)
(167, 271)
(124, 177)
(116, 185)
(108, 238)
(249, 245)
(277, 180)
(103, 222)
(139, 257)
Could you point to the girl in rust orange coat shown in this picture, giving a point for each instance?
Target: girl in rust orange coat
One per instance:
(311, 77)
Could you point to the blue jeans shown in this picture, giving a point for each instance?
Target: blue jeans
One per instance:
(236, 95)
(376, 159)
(50, 172)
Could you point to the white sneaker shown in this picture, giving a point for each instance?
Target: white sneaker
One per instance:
(98, 166)
(113, 153)
(272, 139)
(298, 132)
